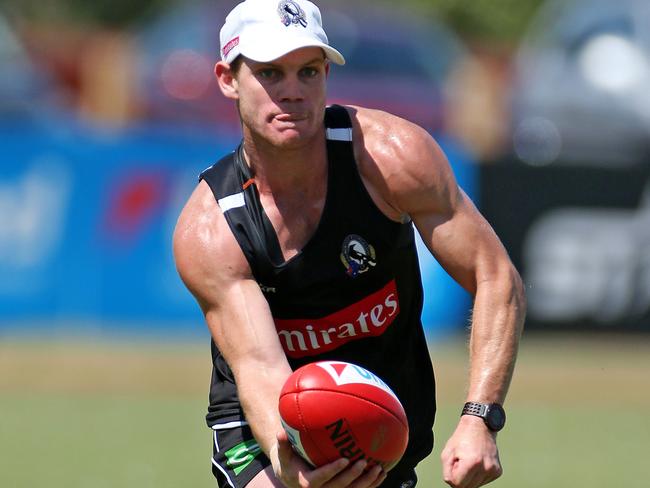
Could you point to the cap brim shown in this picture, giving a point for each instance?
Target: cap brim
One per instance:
(265, 52)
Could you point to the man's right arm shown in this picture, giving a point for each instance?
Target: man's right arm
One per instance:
(215, 270)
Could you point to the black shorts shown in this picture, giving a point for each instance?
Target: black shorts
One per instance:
(236, 455)
(237, 458)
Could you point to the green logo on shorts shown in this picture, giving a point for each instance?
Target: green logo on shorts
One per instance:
(242, 455)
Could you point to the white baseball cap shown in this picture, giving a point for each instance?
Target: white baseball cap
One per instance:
(265, 30)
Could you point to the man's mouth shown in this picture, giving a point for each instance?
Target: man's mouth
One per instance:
(290, 117)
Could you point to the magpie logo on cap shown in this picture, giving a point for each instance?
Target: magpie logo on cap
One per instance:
(265, 30)
(291, 13)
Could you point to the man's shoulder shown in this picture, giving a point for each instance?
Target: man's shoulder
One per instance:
(385, 140)
(197, 224)
(397, 159)
(384, 136)
(373, 122)
(202, 240)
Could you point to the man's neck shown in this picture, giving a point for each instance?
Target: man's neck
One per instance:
(283, 170)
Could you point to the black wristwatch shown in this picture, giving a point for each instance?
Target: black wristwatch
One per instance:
(492, 414)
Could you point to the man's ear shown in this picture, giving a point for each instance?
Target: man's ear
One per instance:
(227, 81)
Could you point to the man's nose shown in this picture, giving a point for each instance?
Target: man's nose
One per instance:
(291, 90)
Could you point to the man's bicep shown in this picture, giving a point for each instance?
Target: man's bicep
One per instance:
(215, 270)
(462, 241)
(235, 309)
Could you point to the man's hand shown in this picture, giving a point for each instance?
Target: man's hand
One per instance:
(471, 458)
(294, 472)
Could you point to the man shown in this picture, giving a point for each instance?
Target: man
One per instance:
(299, 246)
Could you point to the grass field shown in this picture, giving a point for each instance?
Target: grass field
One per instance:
(85, 414)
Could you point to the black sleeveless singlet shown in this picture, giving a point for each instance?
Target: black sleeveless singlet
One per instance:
(353, 293)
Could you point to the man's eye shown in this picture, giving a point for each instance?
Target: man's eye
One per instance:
(267, 73)
(309, 72)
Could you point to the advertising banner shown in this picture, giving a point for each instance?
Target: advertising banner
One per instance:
(581, 238)
(86, 222)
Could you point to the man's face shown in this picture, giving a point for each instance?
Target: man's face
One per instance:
(283, 101)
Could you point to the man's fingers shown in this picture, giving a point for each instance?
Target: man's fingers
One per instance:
(356, 476)
(371, 478)
(336, 474)
(380, 479)
(492, 471)
(448, 460)
(451, 472)
(285, 451)
(464, 474)
(326, 473)
(471, 474)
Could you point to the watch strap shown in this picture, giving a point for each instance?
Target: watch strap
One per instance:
(473, 408)
(492, 414)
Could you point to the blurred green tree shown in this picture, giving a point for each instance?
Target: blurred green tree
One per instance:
(490, 20)
(108, 13)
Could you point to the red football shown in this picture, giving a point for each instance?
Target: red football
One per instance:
(332, 409)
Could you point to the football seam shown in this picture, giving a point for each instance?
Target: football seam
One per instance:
(302, 419)
(359, 398)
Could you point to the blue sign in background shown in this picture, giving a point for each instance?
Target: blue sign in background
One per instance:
(87, 217)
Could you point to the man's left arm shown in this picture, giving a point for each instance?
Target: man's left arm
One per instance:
(466, 246)
(463, 242)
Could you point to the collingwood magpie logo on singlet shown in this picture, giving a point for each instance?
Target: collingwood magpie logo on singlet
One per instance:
(357, 255)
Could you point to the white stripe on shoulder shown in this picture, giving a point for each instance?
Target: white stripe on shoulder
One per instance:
(208, 168)
(344, 134)
(232, 201)
(229, 425)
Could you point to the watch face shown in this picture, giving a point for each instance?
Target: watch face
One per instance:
(495, 417)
